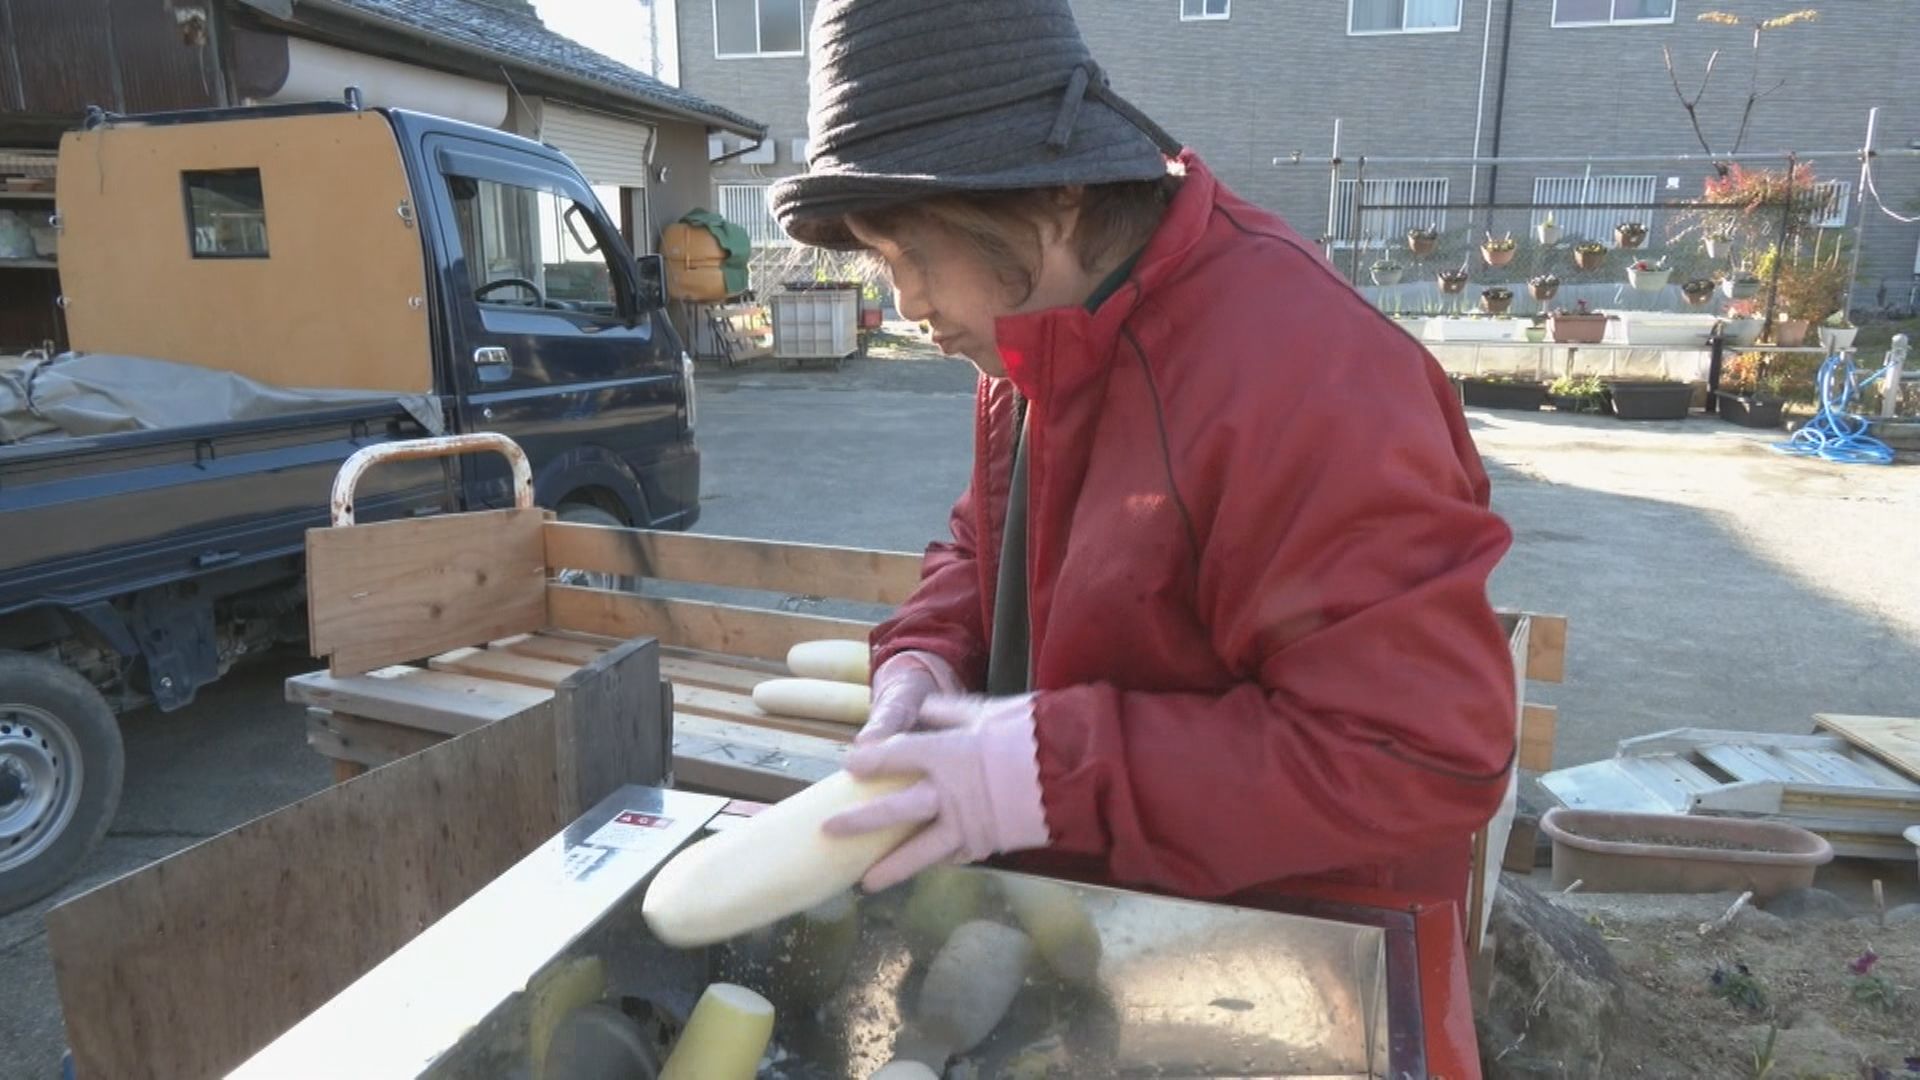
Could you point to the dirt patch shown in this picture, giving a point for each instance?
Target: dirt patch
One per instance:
(1699, 843)
(1706, 1006)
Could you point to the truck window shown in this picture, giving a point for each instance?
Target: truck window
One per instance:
(226, 213)
(516, 236)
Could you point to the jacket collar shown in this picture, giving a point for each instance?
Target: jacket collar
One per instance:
(1052, 352)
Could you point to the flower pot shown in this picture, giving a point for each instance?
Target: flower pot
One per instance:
(1386, 277)
(1696, 297)
(1499, 394)
(1837, 338)
(1577, 329)
(1543, 291)
(1623, 237)
(1650, 400)
(1570, 403)
(1536, 334)
(1791, 333)
(1495, 305)
(1548, 235)
(1451, 286)
(1648, 281)
(1719, 247)
(1741, 330)
(1497, 256)
(870, 318)
(1752, 412)
(1589, 259)
(1616, 851)
(1665, 329)
(1734, 289)
(1422, 243)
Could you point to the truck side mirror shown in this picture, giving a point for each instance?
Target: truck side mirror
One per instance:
(651, 276)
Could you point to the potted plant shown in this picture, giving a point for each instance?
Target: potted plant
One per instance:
(1649, 277)
(1543, 287)
(1650, 399)
(1749, 395)
(1498, 250)
(1385, 272)
(1496, 299)
(1698, 291)
(1790, 333)
(1579, 327)
(1548, 231)
(1578, 394)
(1501, 392)
(1837, 333)
(1589, 254)
(1742, 325)
(1537, 329)
(1719, 243)
(1453, 282)
(1629, 234)
(1422, 241)
(871, 313)
(1742, 285)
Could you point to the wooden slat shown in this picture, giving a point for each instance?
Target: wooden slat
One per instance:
(1537, 726)
(737, 708)
(878, 577)
(542, 646)
(412, 697)
(693, 624)
(746, 762)
(1547, 648)
(403, 590)
(366, 742)
(712, 675)
(504, 666)
(1893, 739)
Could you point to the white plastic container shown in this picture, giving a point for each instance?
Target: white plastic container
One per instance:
(816, 324)
(1663, 330)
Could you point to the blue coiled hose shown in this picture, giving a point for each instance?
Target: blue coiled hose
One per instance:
(1834, 434)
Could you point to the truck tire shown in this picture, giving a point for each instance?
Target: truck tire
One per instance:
(578, 513)
(61, 764)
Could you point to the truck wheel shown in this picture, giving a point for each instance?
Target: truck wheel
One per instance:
(61, 763)
(588, 514)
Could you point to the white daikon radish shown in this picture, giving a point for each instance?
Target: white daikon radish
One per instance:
(725, 1038)
(815, 699)
(840, 661)
(905, 1070)
(942, 898)
(971, 983)
(1054, 917)
(774, 864)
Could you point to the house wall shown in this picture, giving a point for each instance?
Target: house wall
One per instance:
(1273, 77)
(689, 183)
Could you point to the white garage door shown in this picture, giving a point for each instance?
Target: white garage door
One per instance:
(607, 150)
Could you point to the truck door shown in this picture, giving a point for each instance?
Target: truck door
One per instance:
(550, 345)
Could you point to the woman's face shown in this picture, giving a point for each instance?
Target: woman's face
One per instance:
(940, 279)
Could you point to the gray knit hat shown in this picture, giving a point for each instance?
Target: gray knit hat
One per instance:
(912, 98)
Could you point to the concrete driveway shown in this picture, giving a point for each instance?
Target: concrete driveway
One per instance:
(1709, 581)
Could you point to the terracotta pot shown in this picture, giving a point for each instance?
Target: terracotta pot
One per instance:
(1548, 235)
(1589, 259)
(870, 318)
(1495, 305)
(1422, 243)
(1626, 238)
(1696, 297)
(1543, 292)
(1497, 256)
(1791, 333)
(1615, 851)
(1452, 286)
(1577, 329)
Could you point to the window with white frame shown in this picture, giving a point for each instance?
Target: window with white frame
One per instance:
(1611, 12)
(1402, 16)
(1588, 207)
(1830, 198)
(1378, 213)
(759, 28)
(1192, 10)
(748, 206)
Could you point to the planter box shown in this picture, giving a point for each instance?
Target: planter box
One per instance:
(1651, 400)
(1742, 331)
(1577, 329)
(1668, 330)
(1568, 404)
(1670, 853)
(1491, 394)
(1749, 412)
(1838, 339)
(1739, 290)
(1458, 329)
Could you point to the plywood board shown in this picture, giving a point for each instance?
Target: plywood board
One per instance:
(1537, 726)
(434, 700)
(339, 300)
(745, 762)
(877, 577)
(504, 666)
(371, 743)
(404, 590)
(188, 967)
(1547, 648)
(563, 650)
(720, 705)
(693, 624)
(713, 675)
(1893, 739)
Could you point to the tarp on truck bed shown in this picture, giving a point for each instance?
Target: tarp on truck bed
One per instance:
(81, 394)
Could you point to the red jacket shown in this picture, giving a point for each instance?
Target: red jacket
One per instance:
(1258, 554)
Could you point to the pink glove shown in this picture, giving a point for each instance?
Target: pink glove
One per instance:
(980, 792)
(901, 685)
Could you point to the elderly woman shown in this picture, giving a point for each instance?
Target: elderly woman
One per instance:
(1214, 613)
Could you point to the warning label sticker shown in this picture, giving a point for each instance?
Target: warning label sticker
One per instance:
(630, 829)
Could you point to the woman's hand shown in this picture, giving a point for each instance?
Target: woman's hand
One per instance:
(900, 687)
(980, 792)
